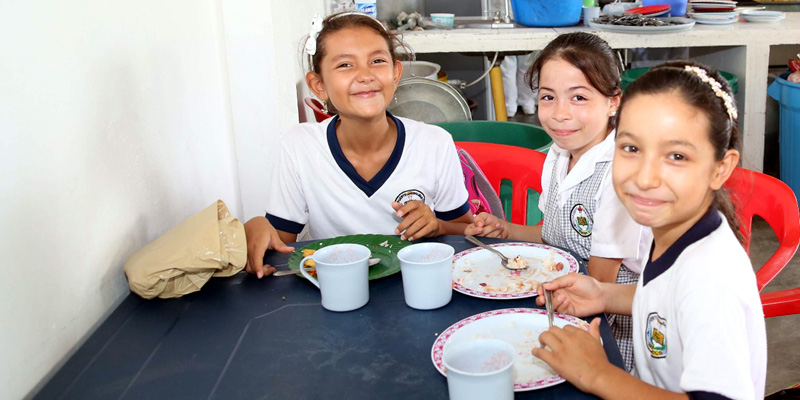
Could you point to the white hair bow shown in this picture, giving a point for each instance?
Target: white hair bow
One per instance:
(316, 28)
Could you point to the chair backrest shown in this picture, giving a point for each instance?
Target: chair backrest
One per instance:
(522, 166)
(754, 193)
(317, 108)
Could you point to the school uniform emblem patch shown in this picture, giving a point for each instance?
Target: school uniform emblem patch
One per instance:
(580, 220)
(656, 335)
(410, 195)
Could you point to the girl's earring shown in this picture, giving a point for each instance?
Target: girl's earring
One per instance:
(395, 99)
(325, 106)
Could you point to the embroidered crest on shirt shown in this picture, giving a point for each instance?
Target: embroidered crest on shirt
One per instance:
(580, 219)
(410, 195)
(655, 335)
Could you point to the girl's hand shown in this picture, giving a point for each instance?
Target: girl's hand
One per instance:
(576, 355)
(485, 224)
(262, 236)
(575, 294)
(418, 220)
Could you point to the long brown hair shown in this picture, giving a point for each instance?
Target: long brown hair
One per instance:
(723, 133)
(588, 53)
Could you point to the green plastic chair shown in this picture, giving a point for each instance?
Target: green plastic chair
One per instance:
(508, 133)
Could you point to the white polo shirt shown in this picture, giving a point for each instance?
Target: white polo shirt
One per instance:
(698, 323)
(612, 231)
(317, 186)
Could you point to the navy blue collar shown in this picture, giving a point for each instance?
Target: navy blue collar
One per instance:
(702, 228)
(372, 186)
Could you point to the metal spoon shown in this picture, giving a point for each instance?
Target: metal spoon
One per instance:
(503, 258)
(548, 305)
(372, 261)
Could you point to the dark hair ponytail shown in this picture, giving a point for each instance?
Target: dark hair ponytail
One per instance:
(723, 118)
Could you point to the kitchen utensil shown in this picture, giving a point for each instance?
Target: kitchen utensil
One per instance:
(372, 261)
(477, 273)
(342, 276)
(480, 369)
(503, 258)
(548, 305)
(429, 101)
(520, 327)
(427, 275)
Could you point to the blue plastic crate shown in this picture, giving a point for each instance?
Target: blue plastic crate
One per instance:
(547, 13)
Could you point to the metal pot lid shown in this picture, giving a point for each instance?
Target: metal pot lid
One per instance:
(429, 101)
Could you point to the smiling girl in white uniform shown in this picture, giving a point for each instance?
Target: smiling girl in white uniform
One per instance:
(698, 321)
(364, 170)
(578, 80)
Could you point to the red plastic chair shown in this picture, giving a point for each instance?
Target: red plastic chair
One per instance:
(317, 108)
(754, 193)
(522, 166)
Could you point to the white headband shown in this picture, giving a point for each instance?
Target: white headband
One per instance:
(717, 88)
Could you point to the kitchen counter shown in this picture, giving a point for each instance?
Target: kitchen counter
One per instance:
(741, 48)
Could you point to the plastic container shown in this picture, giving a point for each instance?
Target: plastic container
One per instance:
(443, 18)
(788, 96)
(422, 69)
(547, 13)
(369, 7)
(677, 7)
(632, 74)
(510, 133)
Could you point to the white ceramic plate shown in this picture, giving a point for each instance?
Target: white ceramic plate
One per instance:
(518, 326)
(477, 272)
(717, 21)
(763, 15)
(714, 15)
(685, 25)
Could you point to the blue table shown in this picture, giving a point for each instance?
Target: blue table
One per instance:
(244, 338)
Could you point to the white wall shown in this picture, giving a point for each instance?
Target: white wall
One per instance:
(266, 84)
(116, 125)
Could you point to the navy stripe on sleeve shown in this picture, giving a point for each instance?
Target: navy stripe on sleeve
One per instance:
(451, 215)
(700, 395)
(284, 224)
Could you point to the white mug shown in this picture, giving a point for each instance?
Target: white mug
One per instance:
(480, 369)
(343, 274)
(427, 274)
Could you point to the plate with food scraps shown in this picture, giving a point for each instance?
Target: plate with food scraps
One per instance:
(382, 246)
(519, 327)
(668, 25)
(477, 272)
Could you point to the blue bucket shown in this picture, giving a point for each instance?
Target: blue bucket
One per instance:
(788, 96)
(547, 13)
(677, 8)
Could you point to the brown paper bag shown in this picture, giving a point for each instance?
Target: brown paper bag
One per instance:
(209, 243)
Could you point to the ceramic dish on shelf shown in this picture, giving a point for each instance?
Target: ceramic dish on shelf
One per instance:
(763, 15)
(684, 24)
(715, 18)
(716, 21)
(780, 3)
